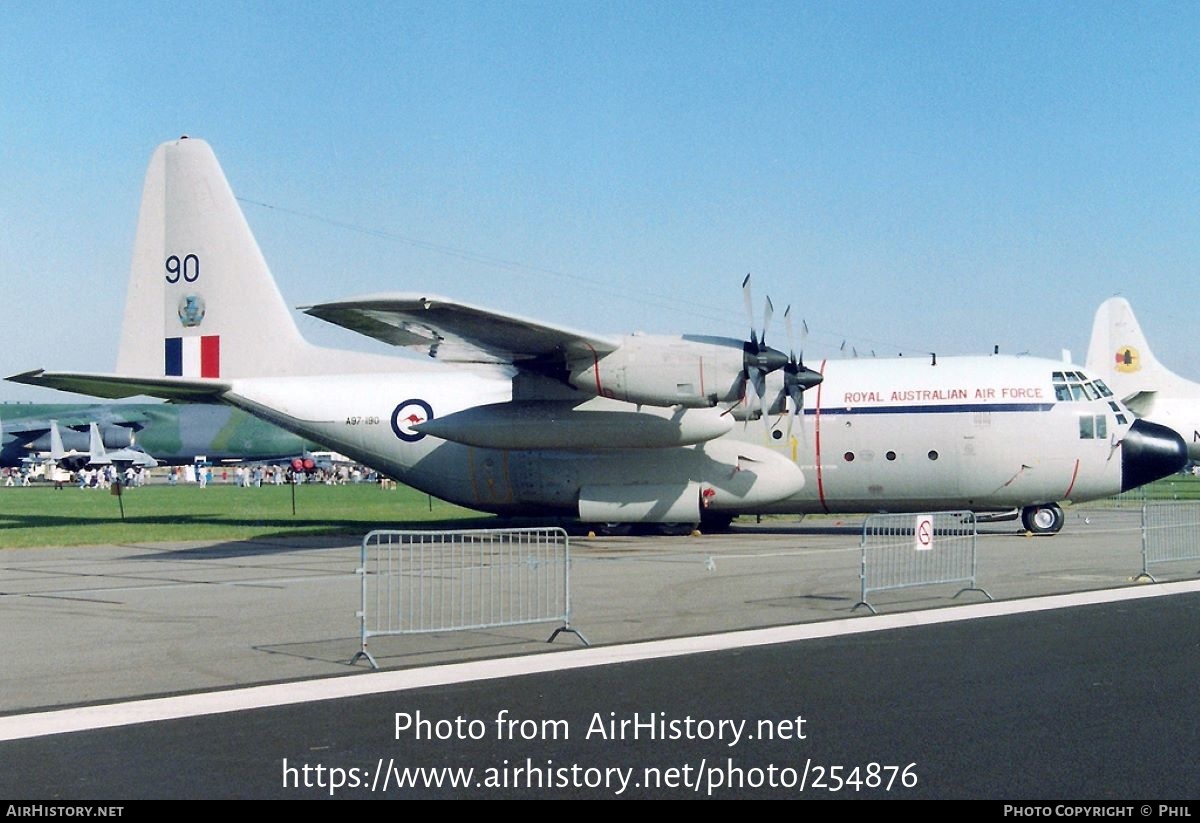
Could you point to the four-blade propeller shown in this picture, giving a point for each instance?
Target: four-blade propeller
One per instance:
(759, 360)
(796, 376)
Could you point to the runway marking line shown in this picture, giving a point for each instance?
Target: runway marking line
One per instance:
(110, 715)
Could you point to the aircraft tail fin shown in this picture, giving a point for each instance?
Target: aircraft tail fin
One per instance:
(57, 452)
(1119, 353)
(201, 301)
(97, 456)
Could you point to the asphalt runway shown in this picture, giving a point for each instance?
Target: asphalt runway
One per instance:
(1027, 698)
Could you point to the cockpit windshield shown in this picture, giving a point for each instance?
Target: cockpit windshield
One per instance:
(1070, 386)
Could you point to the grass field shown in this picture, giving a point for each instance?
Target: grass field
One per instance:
(41, 516)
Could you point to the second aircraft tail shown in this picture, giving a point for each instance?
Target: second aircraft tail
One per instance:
(1118, 352)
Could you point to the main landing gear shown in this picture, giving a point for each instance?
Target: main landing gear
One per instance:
(1047, 518)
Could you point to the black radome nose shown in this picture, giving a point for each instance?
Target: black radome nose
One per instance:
(1148, 452)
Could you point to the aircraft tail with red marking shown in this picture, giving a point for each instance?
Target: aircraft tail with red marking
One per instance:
(1120, 354)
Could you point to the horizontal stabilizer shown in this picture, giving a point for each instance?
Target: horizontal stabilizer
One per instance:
(113, 385)
(1141, 403)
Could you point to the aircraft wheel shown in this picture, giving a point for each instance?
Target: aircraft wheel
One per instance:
(675, 529)
(613, 529)
(715, 521)
(1044, 519)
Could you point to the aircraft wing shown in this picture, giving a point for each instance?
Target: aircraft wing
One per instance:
(113, 385)
(26, 431)
(457, 332)
(31, 428)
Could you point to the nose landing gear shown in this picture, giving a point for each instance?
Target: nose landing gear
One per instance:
(1047, 518)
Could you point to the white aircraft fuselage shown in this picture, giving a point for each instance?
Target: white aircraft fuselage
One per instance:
(980, 433)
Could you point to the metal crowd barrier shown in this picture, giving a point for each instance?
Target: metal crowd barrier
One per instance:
(430, 581)
(1170, 532)
(906, 550)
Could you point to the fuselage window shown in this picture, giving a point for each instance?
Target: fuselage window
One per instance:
(849, 457)
(891, 455)
(1087, 429)
(1094, 426)
(933, 455)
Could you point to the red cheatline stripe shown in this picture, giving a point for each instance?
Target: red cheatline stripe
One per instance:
(817, 441)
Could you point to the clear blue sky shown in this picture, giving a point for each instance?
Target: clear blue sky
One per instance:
(910, 176)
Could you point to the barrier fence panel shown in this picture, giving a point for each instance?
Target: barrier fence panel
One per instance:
(1170, 532)
(905, 550)
(430, 581)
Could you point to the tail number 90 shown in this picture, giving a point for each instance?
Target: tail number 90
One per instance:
(187, 269)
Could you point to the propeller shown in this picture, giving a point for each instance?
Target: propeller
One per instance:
(796, 377)
(758, 359)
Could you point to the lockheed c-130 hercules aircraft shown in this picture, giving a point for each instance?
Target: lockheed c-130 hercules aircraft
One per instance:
(515, 416)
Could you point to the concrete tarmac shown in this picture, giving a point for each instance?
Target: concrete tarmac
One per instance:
(103, 623)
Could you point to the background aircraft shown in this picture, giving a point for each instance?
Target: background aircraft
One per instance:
(512, 415)
(1119, 352)
(168, 433)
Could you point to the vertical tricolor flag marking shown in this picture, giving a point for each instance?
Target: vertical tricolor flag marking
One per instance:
(193, 356)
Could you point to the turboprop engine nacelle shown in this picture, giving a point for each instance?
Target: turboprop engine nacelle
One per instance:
(695, 372)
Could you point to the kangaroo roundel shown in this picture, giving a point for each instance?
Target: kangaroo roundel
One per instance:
(408, 414)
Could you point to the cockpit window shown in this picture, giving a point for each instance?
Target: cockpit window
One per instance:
(1072, 386)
